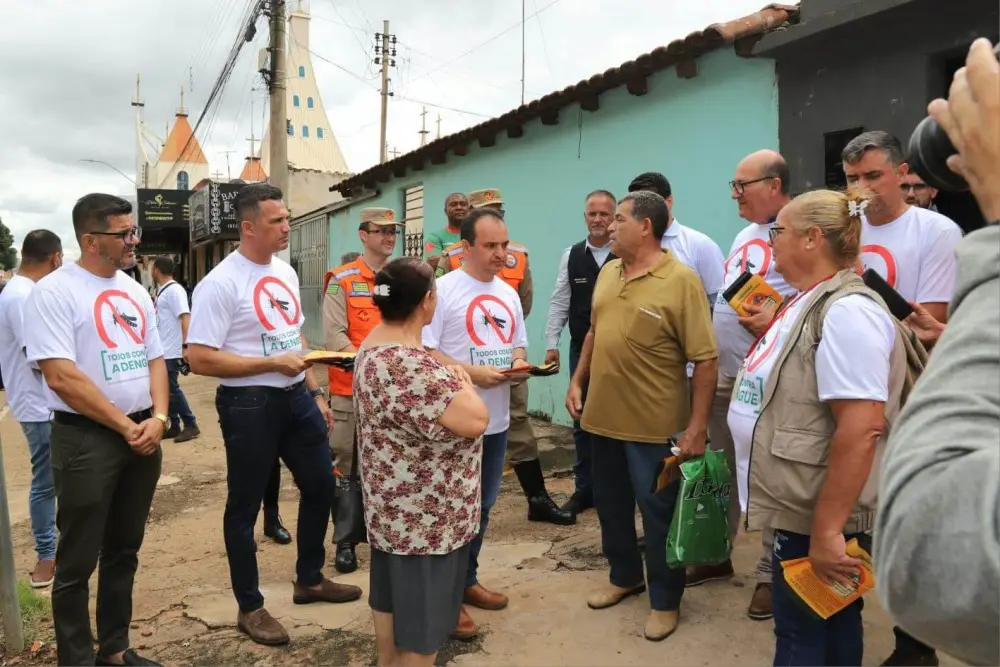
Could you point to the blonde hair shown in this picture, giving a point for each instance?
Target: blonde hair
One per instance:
(838, 216)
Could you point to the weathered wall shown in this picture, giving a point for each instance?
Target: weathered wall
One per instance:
(694, 131)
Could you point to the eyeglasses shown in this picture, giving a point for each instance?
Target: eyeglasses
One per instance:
(774, 232)
(740, 186)
(384, 231)
(916, 187)
(124, 234)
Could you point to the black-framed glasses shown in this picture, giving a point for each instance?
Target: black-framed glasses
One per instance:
(774, 232)
(123, 234)
(384, 231)
(740, 186)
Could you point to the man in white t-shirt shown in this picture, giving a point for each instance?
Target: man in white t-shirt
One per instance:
(479, 324)
(246, 330)
(93, 335)
(41, 254)
(172, 318)
(760, 190)
(693, 248)
(911, 247)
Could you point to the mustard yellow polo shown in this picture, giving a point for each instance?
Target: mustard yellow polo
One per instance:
(646, 329)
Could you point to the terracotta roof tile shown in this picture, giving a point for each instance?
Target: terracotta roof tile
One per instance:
(178, 140)
(748, 28)
(253, 172)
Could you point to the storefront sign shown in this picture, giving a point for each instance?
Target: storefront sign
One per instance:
(162, 209)
(212, 214)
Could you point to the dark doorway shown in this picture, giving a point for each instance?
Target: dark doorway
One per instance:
(833, 146)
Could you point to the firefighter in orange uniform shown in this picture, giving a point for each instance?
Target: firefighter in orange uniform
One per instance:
(349, 314)
(522, 448)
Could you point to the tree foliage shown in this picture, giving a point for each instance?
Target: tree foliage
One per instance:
(8, 253)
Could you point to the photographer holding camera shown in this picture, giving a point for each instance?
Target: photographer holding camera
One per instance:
(936, 540)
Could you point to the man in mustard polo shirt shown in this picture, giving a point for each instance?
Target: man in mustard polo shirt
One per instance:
(648, 320)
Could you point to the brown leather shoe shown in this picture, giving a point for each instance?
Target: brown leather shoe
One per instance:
(467, 628)
(261, 627)
(610, 595)
(478, 596)
(44, 573)
(661, 624)
(328, 591)
(760, 603)
(702, 574)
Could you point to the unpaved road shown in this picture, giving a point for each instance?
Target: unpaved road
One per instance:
(184, 612)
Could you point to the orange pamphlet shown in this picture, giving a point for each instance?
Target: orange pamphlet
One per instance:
(535, 371)
(341, 359)
(751, 289)
(827, 599)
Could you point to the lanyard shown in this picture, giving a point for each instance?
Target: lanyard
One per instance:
(783, 310)
(160, 291)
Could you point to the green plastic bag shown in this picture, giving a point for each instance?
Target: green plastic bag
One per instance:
(699, 532)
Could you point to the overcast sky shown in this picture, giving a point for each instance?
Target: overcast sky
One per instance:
(70, 67)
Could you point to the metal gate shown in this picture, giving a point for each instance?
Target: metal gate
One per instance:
(414, 217)
(308, 249)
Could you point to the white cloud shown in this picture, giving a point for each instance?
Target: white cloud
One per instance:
(67, 88)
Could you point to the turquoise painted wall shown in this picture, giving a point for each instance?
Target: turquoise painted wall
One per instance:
(695, 131)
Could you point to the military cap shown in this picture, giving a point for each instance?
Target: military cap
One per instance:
(379, 216)
(480, 198)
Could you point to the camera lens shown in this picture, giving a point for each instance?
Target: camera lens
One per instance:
(929, 151)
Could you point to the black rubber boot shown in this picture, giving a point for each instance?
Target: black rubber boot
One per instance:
(541, 507)
(345, 561)
(274, 529)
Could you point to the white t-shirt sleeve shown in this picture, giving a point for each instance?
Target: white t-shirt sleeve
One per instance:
(852, 360)
(938, 265)
(179, 300)
(53, 335)
(711, 266)
(154, 346)
(430, 336)
(520, 332)
(211, 314)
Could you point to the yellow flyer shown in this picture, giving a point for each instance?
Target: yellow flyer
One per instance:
(827, 599)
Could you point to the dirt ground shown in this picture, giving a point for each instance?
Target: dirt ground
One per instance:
(184, 612)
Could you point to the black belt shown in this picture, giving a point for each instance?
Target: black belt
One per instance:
(258, 389)
(80, 421)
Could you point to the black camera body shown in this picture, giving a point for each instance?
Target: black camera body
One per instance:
(929, 151)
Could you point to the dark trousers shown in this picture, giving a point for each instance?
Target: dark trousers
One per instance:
(259, 425)
(803, 638)
(583, 467)
(272, 489)
(103, 494)
(624, 476)
(180, 411)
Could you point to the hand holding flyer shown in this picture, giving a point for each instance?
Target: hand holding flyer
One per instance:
(827, 599)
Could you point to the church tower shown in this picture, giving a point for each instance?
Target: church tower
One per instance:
(311, 141)
(182, 163)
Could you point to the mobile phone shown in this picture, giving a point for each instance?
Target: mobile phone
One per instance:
(898, 306)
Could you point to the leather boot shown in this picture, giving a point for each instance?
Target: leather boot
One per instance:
(541, 507)
(345, 561)
(274, 529)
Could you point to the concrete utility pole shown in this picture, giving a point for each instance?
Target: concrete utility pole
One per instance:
(9, 606)
(229, 171)
(423, 127)
(438, 127)
(382, 56)
(279, 111)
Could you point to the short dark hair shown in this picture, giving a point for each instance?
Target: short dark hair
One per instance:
(409, 279)
(349, 257)
(778, 168)
(250, 196)
(600, 193)
(39, 245)
(652, 181)
(650, 205)
(92, 212)
(875, 140)
(164, 264)
(467, 230)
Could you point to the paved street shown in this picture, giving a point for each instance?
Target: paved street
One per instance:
(185, 613)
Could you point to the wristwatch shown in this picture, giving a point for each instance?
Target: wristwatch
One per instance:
(316, 393)
(163, 418)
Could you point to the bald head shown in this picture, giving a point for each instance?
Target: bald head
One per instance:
(760, 185)
(766, 163)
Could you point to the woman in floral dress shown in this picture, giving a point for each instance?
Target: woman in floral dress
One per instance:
(418, 428)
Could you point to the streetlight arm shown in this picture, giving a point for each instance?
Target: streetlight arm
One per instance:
(106, 164)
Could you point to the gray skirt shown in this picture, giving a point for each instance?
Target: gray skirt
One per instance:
(423, 594)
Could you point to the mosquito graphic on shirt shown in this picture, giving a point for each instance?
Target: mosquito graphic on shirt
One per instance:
(121, 320)
(275, 304)
(491, 318)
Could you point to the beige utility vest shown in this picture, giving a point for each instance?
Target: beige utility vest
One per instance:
(791, 441)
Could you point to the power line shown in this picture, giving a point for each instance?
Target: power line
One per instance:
(488, 41)
(364, 49)
(441, 106)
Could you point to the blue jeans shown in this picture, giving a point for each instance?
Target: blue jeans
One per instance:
(583, 467)
(180, 412)
(259, 425)
(803, 638)
(494, 453)
(42, 497)
(624, 476)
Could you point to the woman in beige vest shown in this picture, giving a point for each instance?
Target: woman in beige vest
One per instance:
(809, 413)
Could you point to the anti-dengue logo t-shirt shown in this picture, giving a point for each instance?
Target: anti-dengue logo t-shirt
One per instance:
(106, 326)
(479, 324)
(251, 310)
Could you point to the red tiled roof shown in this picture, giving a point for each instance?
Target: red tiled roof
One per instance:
(743, 33)
(253, 172)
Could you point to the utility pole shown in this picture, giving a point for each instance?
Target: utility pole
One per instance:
(279, 111)
(141, 174)
(423, 127)
(394, 153)
(438, 127)
(385, 57)
(9, 606)
(229, 171)
(522, 51)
